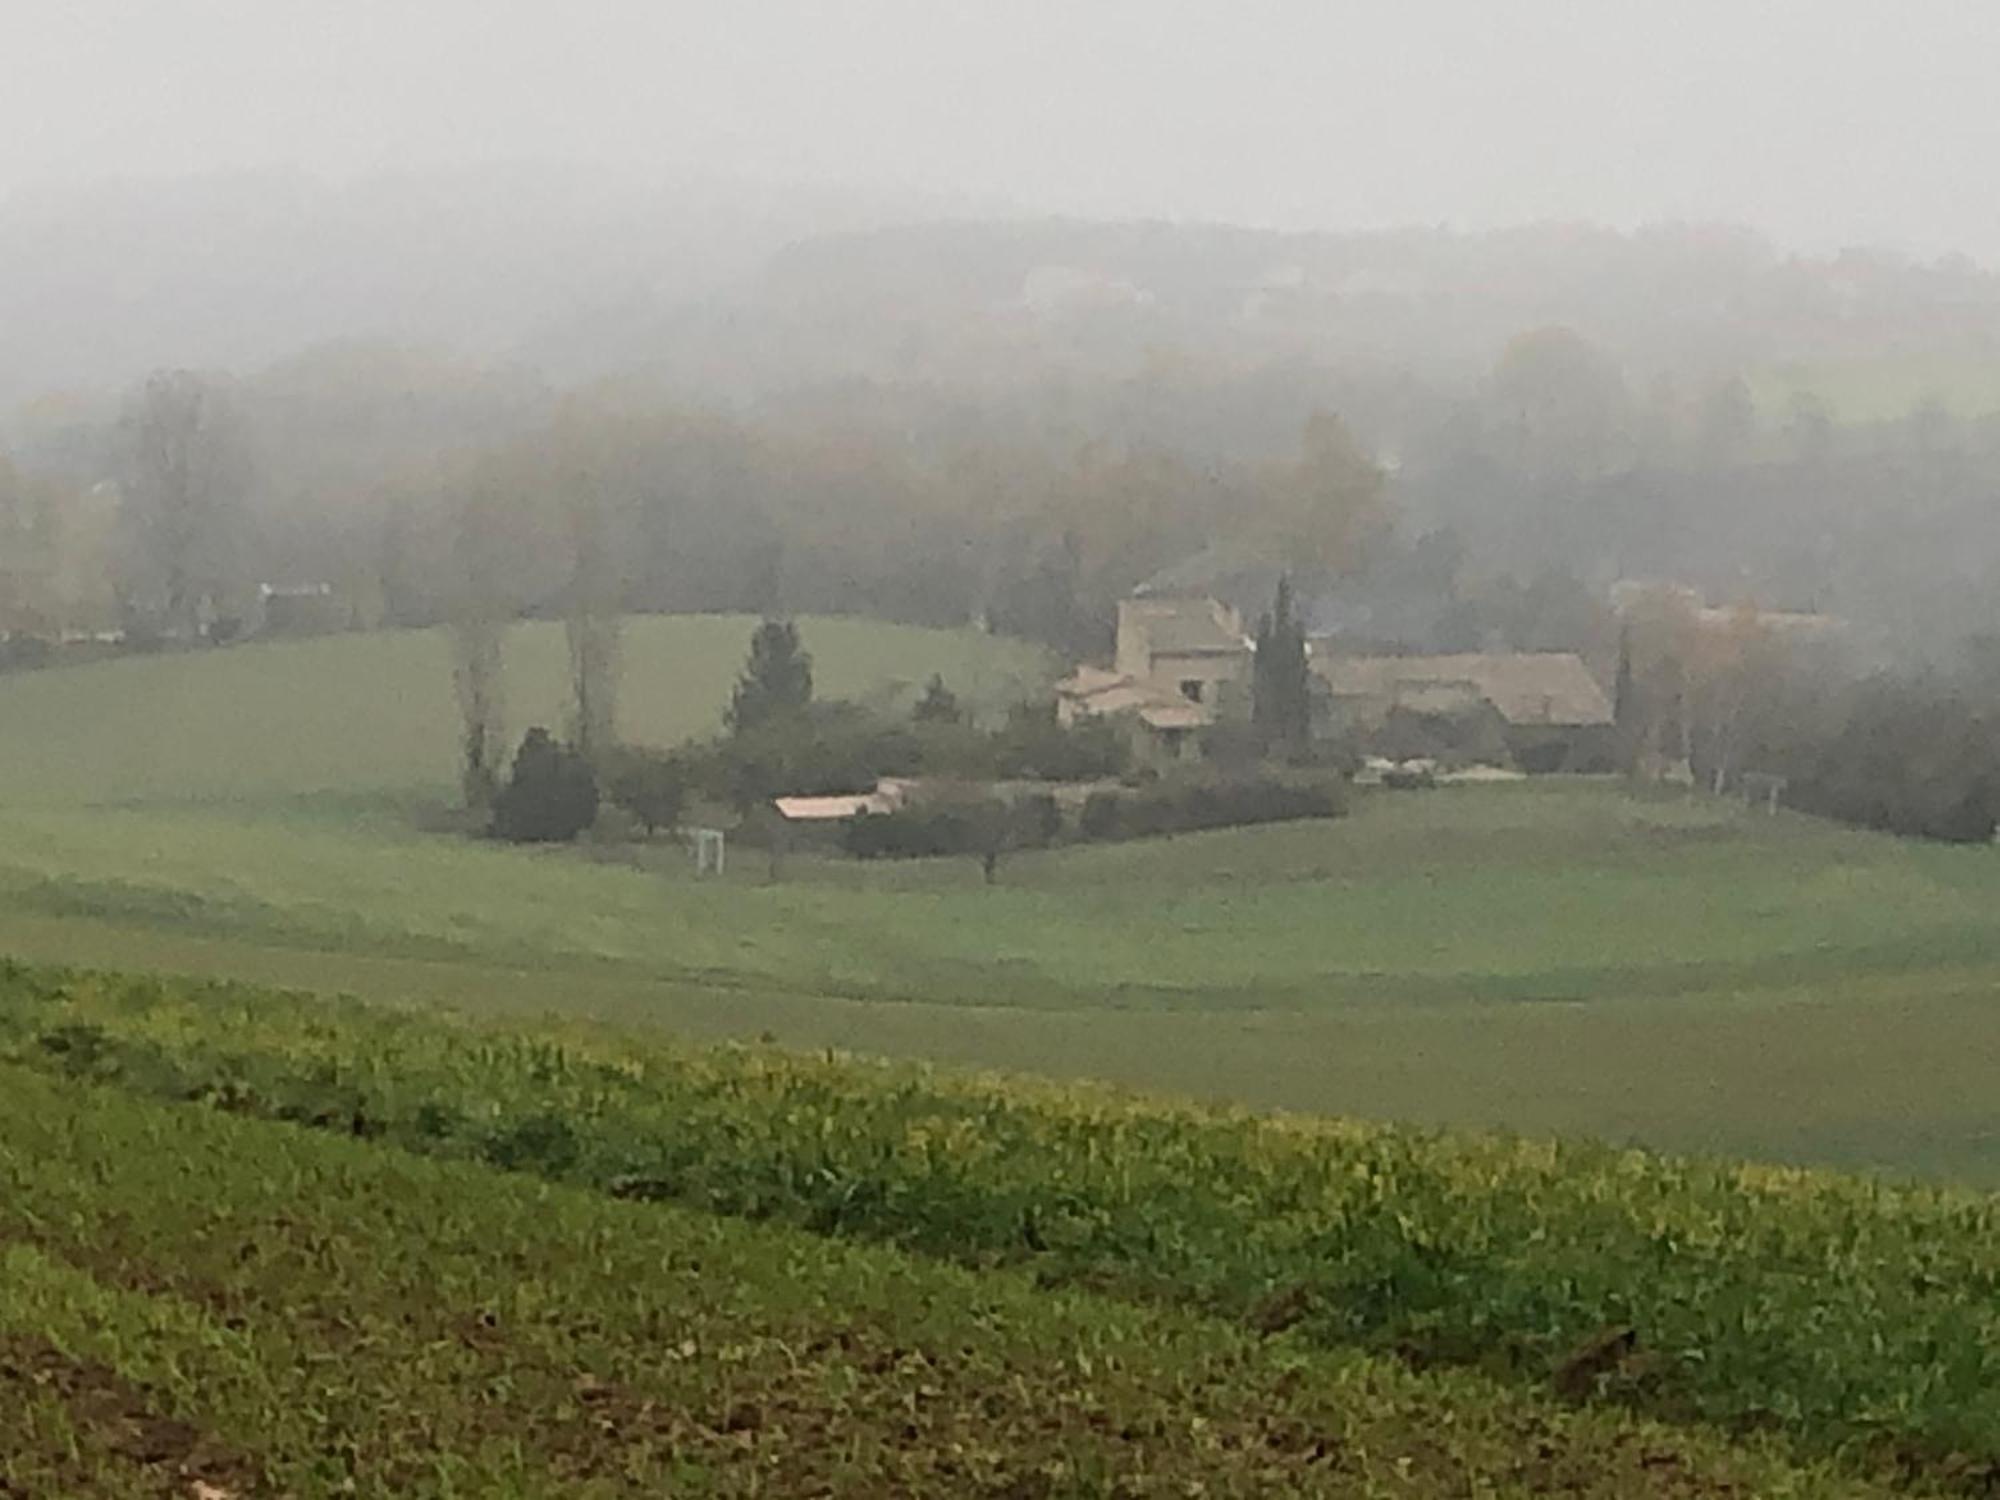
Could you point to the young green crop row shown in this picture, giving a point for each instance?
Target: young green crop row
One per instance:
(198, 1305)
(1858, 1319)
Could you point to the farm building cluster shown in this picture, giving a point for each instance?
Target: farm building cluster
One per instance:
(1183, 665)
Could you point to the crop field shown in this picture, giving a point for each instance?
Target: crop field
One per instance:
(571, 1262)
(191, 1304)
(1550, 958)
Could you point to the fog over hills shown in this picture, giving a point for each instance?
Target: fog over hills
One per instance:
(106, 280)
(733, 287)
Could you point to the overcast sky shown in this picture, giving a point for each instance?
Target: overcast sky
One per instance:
(1822, 122)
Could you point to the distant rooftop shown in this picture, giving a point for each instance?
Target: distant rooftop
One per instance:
(1188, 627)
(1529, 688)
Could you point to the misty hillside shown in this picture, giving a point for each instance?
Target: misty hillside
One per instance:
(738, 290)
(235, 270)
(990, 302)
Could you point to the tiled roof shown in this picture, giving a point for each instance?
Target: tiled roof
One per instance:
(1101, 693)
(1549, 687)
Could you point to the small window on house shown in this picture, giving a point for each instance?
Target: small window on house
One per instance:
(1191, 689)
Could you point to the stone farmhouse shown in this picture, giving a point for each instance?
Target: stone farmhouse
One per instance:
(1184, 664)
(1181, 665)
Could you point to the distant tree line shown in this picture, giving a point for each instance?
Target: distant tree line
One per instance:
(1516, 494)
(1912, 750)
(1915, 753)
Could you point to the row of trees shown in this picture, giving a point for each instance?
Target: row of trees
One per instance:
(1912, 750)
(1033, 510)
(777, 739)
(480, 500)
(618, 494)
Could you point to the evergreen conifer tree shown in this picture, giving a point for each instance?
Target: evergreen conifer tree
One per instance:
(777, 678)
(1281, 690)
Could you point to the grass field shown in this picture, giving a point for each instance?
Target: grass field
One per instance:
(1552, 958)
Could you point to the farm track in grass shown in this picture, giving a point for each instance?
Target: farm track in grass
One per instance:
(188, 1299)
(1861, 1322)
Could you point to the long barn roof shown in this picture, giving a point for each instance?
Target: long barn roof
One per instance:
(1542, 687)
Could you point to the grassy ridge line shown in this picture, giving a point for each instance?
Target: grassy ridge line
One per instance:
(1852, 1316)
(1444, 896)
(277, 1312)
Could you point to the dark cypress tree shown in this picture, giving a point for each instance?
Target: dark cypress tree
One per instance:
(777, 679)
(1625, 710)
(1281, 689)
(1263, 702)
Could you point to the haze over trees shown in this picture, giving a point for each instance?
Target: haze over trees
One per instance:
(1016, 422)
(186, 478)
(1025, 462)
(1449, 442)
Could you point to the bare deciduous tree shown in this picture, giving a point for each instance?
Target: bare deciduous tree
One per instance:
(478, 627)
(584, 476)
(593, 623)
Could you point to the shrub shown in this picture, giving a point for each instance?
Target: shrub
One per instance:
(1034, 745)
(1907, 753)
(920, 832)
(1185, 807)
(939, 704)
(822, 749)
(986, 829)
(551, 797)
(953, 748)
(142, 636)
(25, 653)
(1913, 758)
(1037, 821)
(1100, 815)
(652, 787)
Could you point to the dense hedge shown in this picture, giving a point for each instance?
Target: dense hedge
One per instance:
(975, 828)
(920, 833)
(1909, 756)
(1208, 804)
(991, 828)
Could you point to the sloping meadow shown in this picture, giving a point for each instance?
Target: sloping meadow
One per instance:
(1858, 1320)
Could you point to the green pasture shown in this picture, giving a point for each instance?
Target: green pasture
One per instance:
(1533, 894)
(1554, 957)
